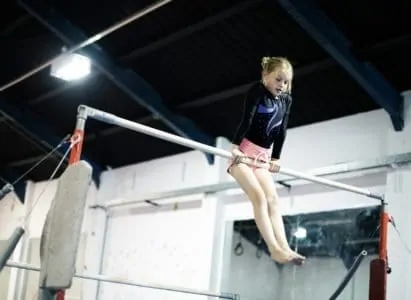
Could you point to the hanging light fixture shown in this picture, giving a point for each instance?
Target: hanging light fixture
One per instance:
(71, 66)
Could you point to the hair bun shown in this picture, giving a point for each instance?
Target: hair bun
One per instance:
(265, 60)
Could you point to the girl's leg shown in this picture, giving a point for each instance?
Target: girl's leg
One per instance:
(245, 177)
(267, 183)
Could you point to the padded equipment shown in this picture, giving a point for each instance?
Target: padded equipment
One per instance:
(62, 228)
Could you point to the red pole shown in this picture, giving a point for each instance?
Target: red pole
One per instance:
(379, 267)
(385, 219)
(77, 140)
(60, 295)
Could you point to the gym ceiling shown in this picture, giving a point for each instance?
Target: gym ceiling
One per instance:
(186, 65)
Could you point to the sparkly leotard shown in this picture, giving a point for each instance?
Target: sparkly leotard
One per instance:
(265, 119)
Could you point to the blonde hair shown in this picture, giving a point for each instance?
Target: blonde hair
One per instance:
(274, 63)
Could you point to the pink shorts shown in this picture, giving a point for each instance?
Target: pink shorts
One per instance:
(253, 151)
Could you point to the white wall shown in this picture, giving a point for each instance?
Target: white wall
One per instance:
(170, 248)
(357, 137)
(11, 215)
(185, 170)
(171, 245)
(307, 147)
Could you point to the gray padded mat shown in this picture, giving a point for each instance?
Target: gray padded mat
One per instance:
(62, 228)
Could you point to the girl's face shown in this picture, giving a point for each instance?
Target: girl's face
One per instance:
(278, 81)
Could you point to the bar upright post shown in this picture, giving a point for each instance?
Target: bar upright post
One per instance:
(377, 289)
(75, 155)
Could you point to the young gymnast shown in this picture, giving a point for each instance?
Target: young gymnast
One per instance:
(264, 125)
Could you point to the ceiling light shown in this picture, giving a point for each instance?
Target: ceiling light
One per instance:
(70, 67)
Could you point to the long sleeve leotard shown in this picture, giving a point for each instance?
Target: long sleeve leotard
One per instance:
(265, 119)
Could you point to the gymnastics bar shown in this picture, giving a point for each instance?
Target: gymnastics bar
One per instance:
(379, 266)
(85, 112)
(103, 278)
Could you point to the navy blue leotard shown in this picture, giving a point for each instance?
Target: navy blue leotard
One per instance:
(265, 119)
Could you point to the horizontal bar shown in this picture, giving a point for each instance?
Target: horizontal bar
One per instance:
(103, 278)
(114, 120)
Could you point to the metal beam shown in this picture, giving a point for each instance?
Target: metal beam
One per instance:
(8, 175)
(190, 30)
(127, 80)
(13, 25)
(41, 133)
(325, 33)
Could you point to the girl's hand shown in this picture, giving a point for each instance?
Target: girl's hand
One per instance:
(237, 152)
(274, 166)
(237, 155)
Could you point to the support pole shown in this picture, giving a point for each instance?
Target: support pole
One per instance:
(130, 283)
(349, 275)
(385, 219)
(377, 289)
(78, 136)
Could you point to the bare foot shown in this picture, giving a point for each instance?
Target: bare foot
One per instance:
(281, 256)
(296, 257)
(298, 261)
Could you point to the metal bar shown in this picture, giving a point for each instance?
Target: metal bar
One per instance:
(87, 42)
(112, 119)
(128, 282)
(11, 245)
(9, 176)
(349, 275)
(5, 190)
(103, 247)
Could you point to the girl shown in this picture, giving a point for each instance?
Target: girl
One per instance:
(264, 125)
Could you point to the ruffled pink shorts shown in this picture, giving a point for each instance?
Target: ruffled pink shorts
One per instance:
(253, 151)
